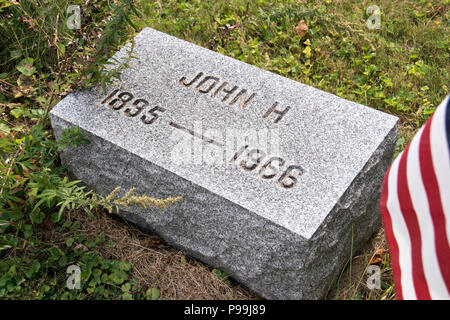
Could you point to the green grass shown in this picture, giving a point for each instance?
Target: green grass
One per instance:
(401, 68)
(41, 61)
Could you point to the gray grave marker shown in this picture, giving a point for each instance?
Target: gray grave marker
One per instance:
(277, 177)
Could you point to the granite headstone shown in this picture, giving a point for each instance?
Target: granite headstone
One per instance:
(278, 178)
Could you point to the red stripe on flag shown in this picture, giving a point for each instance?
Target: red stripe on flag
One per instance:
(434, 200)
(392, 242)
(410, 217)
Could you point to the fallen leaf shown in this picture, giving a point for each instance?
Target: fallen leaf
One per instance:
(25, 84)
(301, 28)
(378, 256)
(229, 27)
(17, 93)
(82, 247)
(375, 260)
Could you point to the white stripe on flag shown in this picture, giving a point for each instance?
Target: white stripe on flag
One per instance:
(435, 281)
(441, 160)
(401, 234)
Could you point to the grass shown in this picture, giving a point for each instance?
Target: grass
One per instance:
(401, 68)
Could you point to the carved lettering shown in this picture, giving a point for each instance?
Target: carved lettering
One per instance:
(205, 80)
(268, 171)
(281, 113)
(291, 180)
(149, 120)
(139, 105)
(252, 162)
(208, 83)
(245, 103)
(268, 167)
(228, 92)
(263, 171)
(198, 76)
(133, 110)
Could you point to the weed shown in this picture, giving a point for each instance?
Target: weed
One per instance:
(41, 61)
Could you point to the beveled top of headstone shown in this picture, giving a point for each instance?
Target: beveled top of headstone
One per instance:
(176, 93)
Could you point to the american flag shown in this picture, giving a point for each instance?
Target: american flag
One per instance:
(415, 207)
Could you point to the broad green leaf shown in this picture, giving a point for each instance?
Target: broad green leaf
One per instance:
(63, 261)
(118, 277)
(18, 128)
(4, 128)
(26, 66)
(16, 113)
(127, 296)
(37, 217)
(34, 269)
(15, 54)
(122, 265)
(153, 294)
(126, 287)
(69, 242)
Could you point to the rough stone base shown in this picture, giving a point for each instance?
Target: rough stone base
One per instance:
(267, 258)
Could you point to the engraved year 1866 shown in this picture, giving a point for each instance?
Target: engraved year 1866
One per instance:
(270, 169)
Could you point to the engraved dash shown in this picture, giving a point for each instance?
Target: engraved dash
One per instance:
(193, 133)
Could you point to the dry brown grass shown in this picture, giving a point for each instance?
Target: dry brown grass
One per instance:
(352, 282)
(179, 277)
(154, 263)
